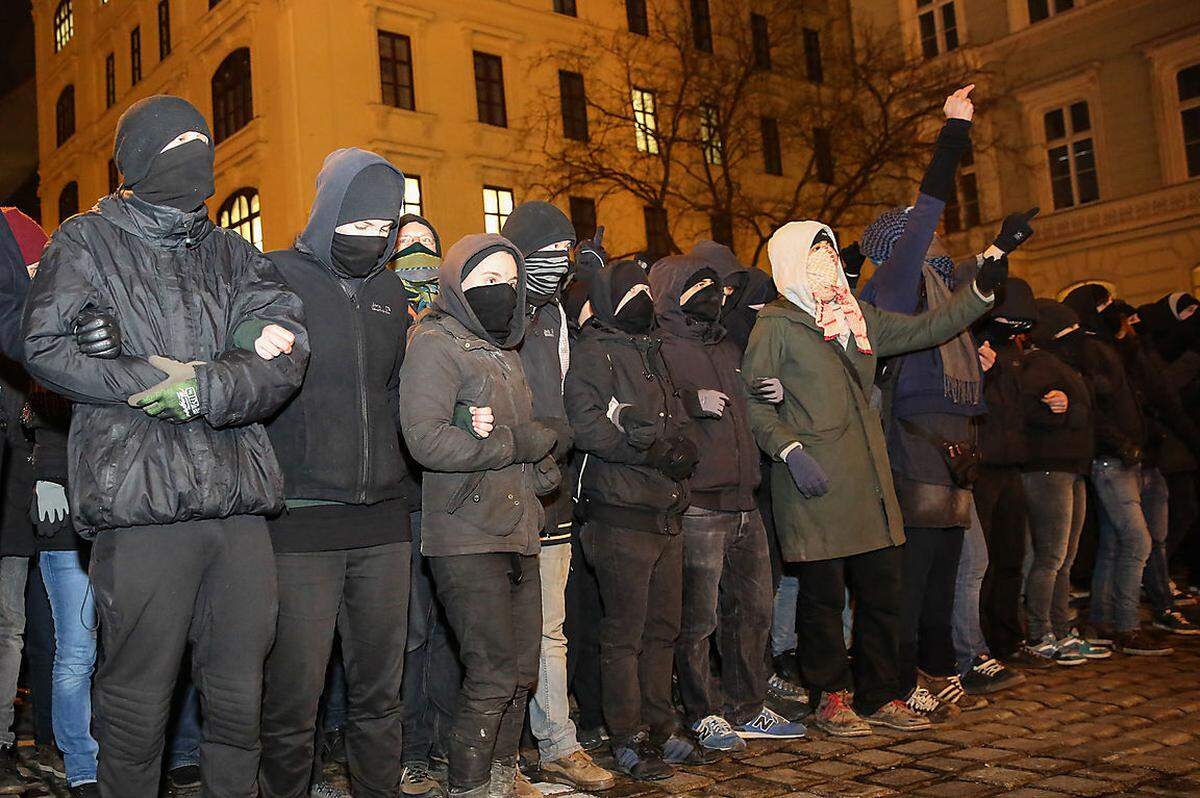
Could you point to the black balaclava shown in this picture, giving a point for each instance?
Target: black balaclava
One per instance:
(1052, 318)
(1084, 300)
(1014, 313)
(704, 305)
(181, 177)
(494, 305)
(737, 282)
(636, 315)
(1115, 314)
(574, 298)
(374, 193)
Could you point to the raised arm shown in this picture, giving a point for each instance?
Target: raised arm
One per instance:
(897, 333)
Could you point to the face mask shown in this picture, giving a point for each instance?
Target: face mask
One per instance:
(705, 304)
(415, 248)
(494, 306)
(823, 265)
(419, 273)
(636, 315)
(180, 178)
(1112, 318)
(544, 271)
(356, 256)
(1069, 347)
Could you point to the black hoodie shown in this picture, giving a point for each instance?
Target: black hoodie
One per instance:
(338, 439)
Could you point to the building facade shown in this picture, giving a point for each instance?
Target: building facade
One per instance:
(1093, 108)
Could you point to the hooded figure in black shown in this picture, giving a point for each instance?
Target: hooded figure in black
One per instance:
(468, 419)
(633, 487)
(169, 465)
(342, 544)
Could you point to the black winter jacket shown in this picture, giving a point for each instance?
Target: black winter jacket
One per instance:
(1171, 433)
(16, 526)
(1002, 438)
(179, 288)
(1057, 441)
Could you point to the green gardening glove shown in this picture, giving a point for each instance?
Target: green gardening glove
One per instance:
(176, 397)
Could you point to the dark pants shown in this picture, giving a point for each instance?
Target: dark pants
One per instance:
(927, 603)
(1182, 511)
(1000, 503)
(157, 587)
(363, 595)
(39, 651)
(582, 628)
(874, 582)
(432, 674)
(494, 605)
(640, 576)
(726, 588)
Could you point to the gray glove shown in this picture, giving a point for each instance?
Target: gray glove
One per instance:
(712, 403)
(807, 473)
(52, 505)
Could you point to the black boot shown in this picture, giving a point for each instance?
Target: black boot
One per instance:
(12, 782)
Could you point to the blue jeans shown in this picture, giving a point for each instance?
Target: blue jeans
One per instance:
(1124, 546)
(183, 746)
(783, 622)
(74, 609)
(965, 628)
(1057, 502)
(549, 708)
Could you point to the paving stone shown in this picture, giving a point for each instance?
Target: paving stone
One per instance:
(834, 768)
(901, 777)
(983, 754)
(944, 763)
(1042, 764)
(920, 747)
(771, 760)
(748, 788)
(1000, 776)
(1074, 785)
(849, 789)
(1162, 764)
(877, 758)
(955, 789)
(790, 776)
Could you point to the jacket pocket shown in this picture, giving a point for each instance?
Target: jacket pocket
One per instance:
(465, 491)
(492, 501)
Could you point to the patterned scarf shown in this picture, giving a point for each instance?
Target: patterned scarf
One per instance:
(544, 271)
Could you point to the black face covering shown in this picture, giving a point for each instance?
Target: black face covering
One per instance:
(1112, 316)
(636, 316)
(705, 304)
(357, 256)
(494, 306)
(181, 177)
(1069, 347)
(737, 282)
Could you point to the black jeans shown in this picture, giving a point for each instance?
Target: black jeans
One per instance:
(39, 654)
(582, 628)
(432, 673)
(1182, 510)
(494, 605)
(361, 594)
(157, 587)
(874, 582)
(1000, 503)
(927, 603)
(726, 592)
(641, 587)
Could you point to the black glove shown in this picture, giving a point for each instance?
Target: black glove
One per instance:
(640, 429)
(97, 334)
(532, 441)
(1015, 229)
(992, 274)
(675, 457)
(852, 263)
(590, 255)
(564, 437)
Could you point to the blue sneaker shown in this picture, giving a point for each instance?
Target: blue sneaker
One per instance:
(715, 733)
(1090, 649)
(768, 725)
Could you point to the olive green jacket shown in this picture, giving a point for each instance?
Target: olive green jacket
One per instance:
(830, 414)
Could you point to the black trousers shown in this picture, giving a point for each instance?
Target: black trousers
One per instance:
(927, 603)
(494, 605)
(1000, 503)
(1182, 511)
(362, 594)
(582, 628)
(874, 582)
(157, 587)
(39, 654)
(641, 588)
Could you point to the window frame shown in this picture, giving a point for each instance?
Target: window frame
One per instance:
(233, 106)
(135, 55)
(491, 105)
(164, 29)
(712, 143)
(701, 23)
(252, 218)
(566, 8)
(572, 101)
(760, 41)
(496, 219)
(959, 216)
(64, 115)
(1068, 142)
(1052, 9)
(814, 66)
(645, 119)
(62, 24)
(393, 69)
(1167, 58)
(637, 18)
(1182, 107)
(110, 80)
(936, 11)
(657, 224)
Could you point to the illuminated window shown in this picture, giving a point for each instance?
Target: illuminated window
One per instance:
(710, 134)
(241, 214)
(489, 89)
(396, 70)
(412, 196)
(64, 116)
(68, 201)
(232, 97)
(1044, 9)
(962, 211)
(938, 23)
(1071, 154)
(64, 24)
(1187, 84)
(497, 205)
(645, 120)
(135, 56)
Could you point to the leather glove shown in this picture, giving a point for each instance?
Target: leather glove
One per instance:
(768, 389)
(176, 397)
(712, 403)
(97, 334)
(675, 457)
(640, 429)
(992, 274)
(546, 476)
(1015, 230)
(52, 506)
(807, 473)
(532, 441)
(852, 263)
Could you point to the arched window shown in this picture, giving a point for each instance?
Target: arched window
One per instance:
(240, 213)
(1112, 288)
(233, 105)
(64, 116)
(68, 201)
(64, 24)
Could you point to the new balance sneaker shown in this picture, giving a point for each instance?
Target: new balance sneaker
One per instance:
(637, 758)
(1139, 644)
(768, 725)
(835, 717)
(417, 782)
(682, 748)
(923, 702)
(897, 715)
(715, 733)
(988, 675)
(578, 771)
(1174, 622)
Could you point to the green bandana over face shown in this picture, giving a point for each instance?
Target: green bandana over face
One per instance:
(419, 273)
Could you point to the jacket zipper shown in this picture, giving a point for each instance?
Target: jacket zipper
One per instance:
(360, 360)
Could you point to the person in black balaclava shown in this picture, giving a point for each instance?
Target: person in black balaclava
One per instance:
(545, 236)
(468, 418)
(171, 467)
(418, 256)
(629, 422)
(342, 545)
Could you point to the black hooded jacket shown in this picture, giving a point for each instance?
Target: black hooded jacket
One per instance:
(338, 438)
(1002, 437)
(699, 356)
(615, 484)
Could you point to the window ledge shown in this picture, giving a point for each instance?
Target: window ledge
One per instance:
(242, 145)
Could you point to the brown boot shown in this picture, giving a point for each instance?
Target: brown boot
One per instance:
(578, 771)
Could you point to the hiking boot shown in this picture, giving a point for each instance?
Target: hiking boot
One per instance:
(1174, 622)
(925, 703)
(592, 739)
(184, 777)
(523, 787)
(768, 725)
(45, 758)
(1023, 660)
(89, 789)
(1139, 644)
(949, 690)
(12, 781)
(578, 771)
(837, 718)
(897, 715)
(324, 789)
(682, 748)
(417, 782)
(638, 759)
(988, 675)
(715, 734)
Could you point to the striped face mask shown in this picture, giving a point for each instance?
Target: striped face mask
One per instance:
(544, 273)
(419, 273)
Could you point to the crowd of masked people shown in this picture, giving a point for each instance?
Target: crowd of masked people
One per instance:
(372, 499)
